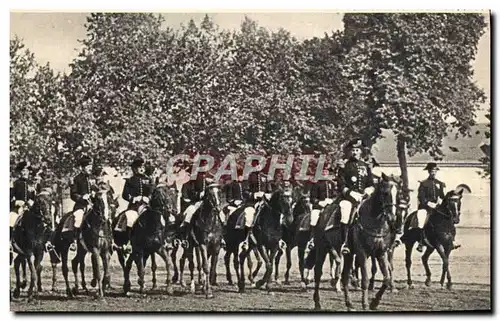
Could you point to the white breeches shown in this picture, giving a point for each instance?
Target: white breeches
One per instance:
(314, 217)
(249, 216)
(78, 214)
(131, 217)
(325, 202)
(421, 218)
(191, 210)
(345, 211)
(13, 218)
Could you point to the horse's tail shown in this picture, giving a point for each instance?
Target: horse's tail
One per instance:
(310, 260)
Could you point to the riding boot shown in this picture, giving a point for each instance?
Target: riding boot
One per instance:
(420, 246)
(345, 235)
(127, 248)
(224, 232)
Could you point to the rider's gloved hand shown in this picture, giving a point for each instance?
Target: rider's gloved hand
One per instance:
(30, 203)
(86, 197)
(431, 204)
(145, 199)
(369, 190)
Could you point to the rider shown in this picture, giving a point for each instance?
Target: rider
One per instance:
(192, 193)
(355, 182)
(431, 193)
(322, 194)
(23, 193)
(137, 191)
(81, 191)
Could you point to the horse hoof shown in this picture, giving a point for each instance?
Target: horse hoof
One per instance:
(169, 290)
(278, 282)
(24, 284)
(374, 304)
(230, 282)
(394, 290)
(410, 286)
(428, 282)
(350, 307)
(192, 288)
(259, 284)
(16, 294)
(449, 286)
(74, 291)
(317, 306)
(69, 293)
(93, 283)
(209, 295)
(175, 278)
(253, 285)
(30, 299)
(287, 282)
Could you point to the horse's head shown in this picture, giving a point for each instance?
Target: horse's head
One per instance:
(281, 203)
(302, 203)
(164, 199)
(101, 205)
(43, 207)
(452, 203)
(213, 196)
(386, 194)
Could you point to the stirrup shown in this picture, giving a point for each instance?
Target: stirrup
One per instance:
(185, 244)
(282, 244)
(73, 247)
(456, 245)
(244, 245)
(420, 247)
(397, 240)
(223, 243)
(345, 249)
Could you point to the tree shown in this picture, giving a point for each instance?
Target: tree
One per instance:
(413, 72)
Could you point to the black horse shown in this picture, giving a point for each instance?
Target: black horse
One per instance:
(371, 235)
(207, 234)
(268, 233)
(30, 235)
(148, 237)
(95, 238)
(439, 231)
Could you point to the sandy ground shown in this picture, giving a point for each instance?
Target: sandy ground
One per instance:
(470, 269)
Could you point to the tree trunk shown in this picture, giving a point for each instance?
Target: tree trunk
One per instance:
(401, 149)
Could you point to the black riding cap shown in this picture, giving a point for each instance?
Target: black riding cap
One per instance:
(84, 161)
(431, 166)
(356, 143)
(138, 162)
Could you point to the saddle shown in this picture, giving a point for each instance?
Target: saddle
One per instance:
(240, 221)
(412, 221)
(332, 218)
(305, 222)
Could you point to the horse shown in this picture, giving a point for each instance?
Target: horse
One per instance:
(96, 239)
(65, 235)
(298, 235)
(268, 232)
(148, 237)
(207, 234)
(371, 235)
(401, 214)
(439, 231)
(30, 234)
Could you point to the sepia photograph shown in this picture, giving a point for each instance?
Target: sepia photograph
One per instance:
(250, 161)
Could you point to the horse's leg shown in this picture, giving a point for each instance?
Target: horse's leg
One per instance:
(154, 267)
(259, 263)
(126, 275)
(338, 263)
(236, 265)
(362, 262)
(269, 266)
(173, 257)
(65, 270)
(39, 267)
(138, 258)
(272, 257)
(346, 274)
(301, 254)
(80, 257)
(383, 262)
(17, 262)
(167, 258)
(408, 250)
(277, 267)
(213, 265)
(318, 271)
(96, 269)
(250, 269)
(241, 275)
(182, 264)
(288, 252)
(24, 264)
(444, 254)
(227, 264)
(371, 286)
(425, 262)
(390, 256)
(199, 265)
(204, 263)
(106, 279)
(54, 276)
(31, 265)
